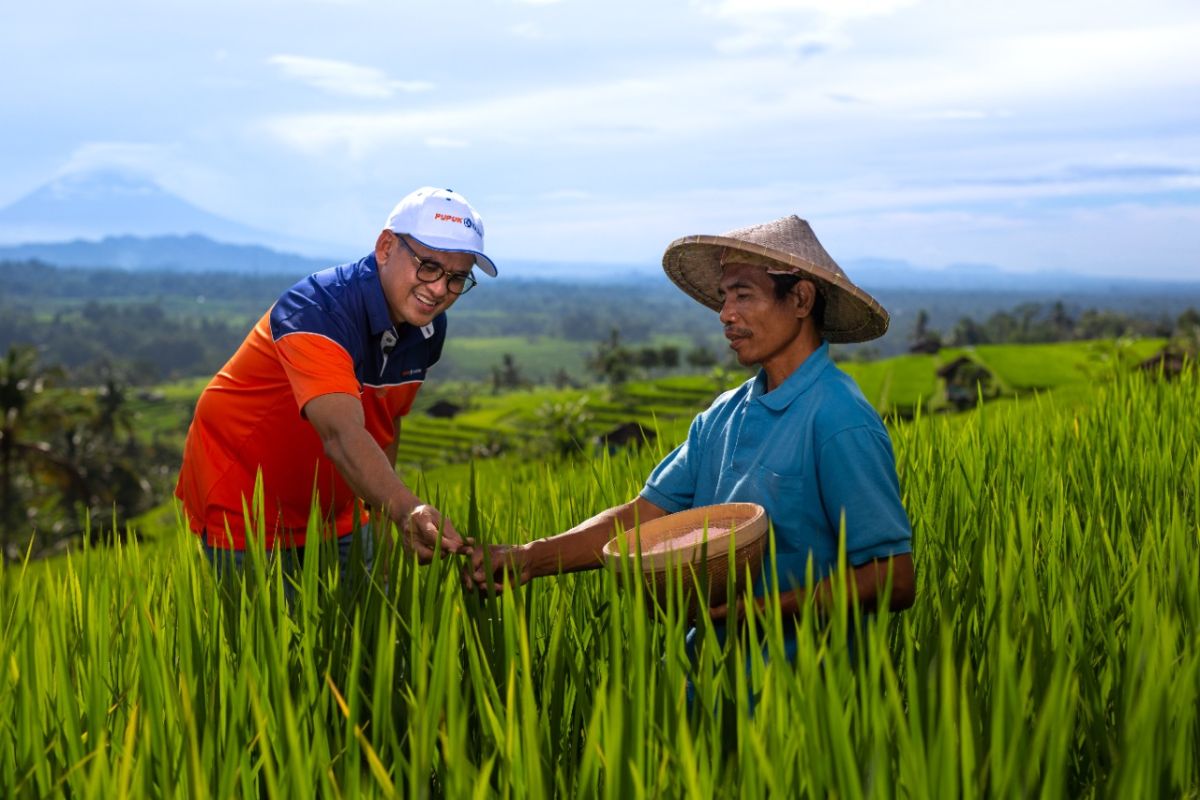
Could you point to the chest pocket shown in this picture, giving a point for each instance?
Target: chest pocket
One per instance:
(793, 502)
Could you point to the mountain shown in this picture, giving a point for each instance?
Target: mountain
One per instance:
(113, 203)
(191, 253)
(99, 203)
(117, 218)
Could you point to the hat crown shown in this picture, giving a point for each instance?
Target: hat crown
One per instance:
(788, 245)
(441, 219)
(792, 240)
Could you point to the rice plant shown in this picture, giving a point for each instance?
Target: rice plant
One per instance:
(1054, 649)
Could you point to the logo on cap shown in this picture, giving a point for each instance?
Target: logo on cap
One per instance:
(467, 222)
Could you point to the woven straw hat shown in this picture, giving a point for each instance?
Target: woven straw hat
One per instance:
(851, 315)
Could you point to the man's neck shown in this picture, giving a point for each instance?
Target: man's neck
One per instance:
(781, 367)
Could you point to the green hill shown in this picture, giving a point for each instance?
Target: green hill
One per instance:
(517, 420)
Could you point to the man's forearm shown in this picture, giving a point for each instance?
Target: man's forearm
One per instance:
(579, 548)
(582, 547)
(866, 587)
(365, 468)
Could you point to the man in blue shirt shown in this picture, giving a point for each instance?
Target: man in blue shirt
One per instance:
(799, 438)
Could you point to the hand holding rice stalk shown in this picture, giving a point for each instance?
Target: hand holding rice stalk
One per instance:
(491, 564)
(424, 530)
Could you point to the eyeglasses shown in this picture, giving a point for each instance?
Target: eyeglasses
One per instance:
(430, 271)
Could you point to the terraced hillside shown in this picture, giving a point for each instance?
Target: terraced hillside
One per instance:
(491, 423)
(510, 420)
(896, 387)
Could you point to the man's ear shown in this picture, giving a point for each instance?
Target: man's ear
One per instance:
(385, 241)
(806, 296)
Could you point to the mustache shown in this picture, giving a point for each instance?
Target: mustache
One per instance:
(731, 332)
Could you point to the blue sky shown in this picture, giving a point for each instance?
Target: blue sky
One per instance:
(1031, 134)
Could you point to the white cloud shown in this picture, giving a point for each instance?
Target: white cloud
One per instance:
(837, 9)
(1031, 68)
(445, 142)
(527, 30)
(957, 114)
(572, 115)
(567, 194)
(908, 94)
(344, 78)
(801, 27)
(140, 157)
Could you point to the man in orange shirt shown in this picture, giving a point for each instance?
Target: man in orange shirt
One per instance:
(309, 407)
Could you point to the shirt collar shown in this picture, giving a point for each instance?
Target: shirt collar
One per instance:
(795, 385)
(378, 314)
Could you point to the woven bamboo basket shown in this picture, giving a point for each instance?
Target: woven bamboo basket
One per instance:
(696, 543)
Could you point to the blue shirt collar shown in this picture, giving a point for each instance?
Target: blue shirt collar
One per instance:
(378, 314)
(795, 385)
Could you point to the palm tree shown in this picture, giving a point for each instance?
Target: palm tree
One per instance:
(68, 452)
(26, 461)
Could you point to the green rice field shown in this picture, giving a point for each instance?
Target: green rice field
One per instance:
(1053, 650)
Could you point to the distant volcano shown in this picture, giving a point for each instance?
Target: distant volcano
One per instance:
(113, 218)
(102, 203)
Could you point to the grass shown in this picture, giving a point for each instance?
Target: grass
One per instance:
(1053, 650)
(538, 358)
(896, 384)
(1049, 366)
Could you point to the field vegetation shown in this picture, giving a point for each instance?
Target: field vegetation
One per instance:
(111, 451)
(1052, 651)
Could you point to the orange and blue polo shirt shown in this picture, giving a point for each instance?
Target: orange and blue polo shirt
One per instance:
(330, 332)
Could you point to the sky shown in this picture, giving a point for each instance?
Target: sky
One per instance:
(1028, 134)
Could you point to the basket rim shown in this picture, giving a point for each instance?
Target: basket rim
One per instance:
(746, 521)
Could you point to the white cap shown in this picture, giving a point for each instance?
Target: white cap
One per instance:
(441, 219)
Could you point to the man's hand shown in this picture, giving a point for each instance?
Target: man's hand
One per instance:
(735, 611)
(718, 613)
(423, 527)
(491, 563)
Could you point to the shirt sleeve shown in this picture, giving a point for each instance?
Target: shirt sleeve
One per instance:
(316, 365)
(672, 484)
(856, 471)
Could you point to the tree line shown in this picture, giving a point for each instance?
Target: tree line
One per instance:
(158, 325)
(72, 462)
(1032, 323)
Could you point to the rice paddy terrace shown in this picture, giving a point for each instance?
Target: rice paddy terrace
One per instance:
(895, 386)
(485, 423)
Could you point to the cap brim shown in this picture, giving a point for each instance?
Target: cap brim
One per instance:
(451, 246)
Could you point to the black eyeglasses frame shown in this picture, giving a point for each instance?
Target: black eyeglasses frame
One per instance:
(431, 271)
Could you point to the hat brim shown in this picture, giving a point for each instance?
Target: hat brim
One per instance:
(693, 263)
(453, 246)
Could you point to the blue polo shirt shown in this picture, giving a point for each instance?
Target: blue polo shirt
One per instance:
(809, 452)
